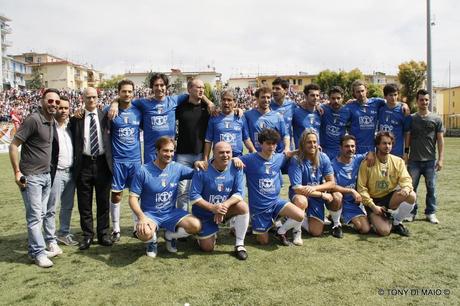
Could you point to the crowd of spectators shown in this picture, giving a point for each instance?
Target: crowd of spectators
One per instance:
(16, 104)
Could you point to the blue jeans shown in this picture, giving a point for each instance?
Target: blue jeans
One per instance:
(35, 197)
(427, 169)
(62, 192)
(184, 185)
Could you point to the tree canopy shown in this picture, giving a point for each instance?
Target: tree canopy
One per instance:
(411, 75)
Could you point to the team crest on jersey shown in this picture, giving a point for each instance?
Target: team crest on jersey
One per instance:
(312, 119)
(227, 124)
(267, 185)
(160, 110)
(163, 183)
(220, 187)
(126, 120)
(267, 169)
(349, 175)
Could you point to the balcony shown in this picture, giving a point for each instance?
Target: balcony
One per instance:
(6, 30)
(6, 43)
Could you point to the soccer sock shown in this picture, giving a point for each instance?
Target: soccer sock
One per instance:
(241, 226)
(402, 212)
(154, 238)
(336, 216)
(180, 233)
(290, 223)
(305, 223)
(115, 214)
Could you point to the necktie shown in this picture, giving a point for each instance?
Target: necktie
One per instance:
(94, 143)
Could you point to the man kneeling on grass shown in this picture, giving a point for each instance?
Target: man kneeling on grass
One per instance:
(264, 185)
(386, 189)
(156, 184)
(217, 195)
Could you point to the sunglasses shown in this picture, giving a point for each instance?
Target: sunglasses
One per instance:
(51, 101)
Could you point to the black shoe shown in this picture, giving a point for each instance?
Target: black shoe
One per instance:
(337, 231)
(401, 230)
(240, 252)
(85, 243)
(115, 237)
(283, 239)
(105, 240)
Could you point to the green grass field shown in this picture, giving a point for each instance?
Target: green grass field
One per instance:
(355, 270)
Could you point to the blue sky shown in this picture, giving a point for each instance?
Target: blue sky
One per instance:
(239, 36)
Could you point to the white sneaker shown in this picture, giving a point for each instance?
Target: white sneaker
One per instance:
(410, 218)
(43, 261)
(53, 250)
(432, 218)
(152, 249)
(297, 238)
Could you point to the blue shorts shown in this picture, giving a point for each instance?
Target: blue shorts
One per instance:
(352, 210)
(208, 227)
(169, 220)
(263, 221)
(316, 208)
(123, 173)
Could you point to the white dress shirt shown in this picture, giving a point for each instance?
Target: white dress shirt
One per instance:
(86, 142)
(65, 158)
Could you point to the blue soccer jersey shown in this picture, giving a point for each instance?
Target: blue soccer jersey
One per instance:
(305, 119)
(159, 119)
(332, 129)
(215, 187)
(228, 128)
(287, 111)
(124, 131)
(263, 179)
(158, 188)
(305, 174)
(346, 175)
(363, 122)
(393, 120)
(256, 122)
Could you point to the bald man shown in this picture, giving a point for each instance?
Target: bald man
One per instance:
(217, 195)
(92, 169)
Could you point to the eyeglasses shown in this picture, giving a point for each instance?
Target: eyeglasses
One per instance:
(51, 101)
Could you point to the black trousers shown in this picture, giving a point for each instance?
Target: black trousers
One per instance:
(94, 175)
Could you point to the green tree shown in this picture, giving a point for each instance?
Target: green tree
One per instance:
(37, 80)
(328, 78)
(411, 75)
(111, 83)
(374, 91)
(208, 92)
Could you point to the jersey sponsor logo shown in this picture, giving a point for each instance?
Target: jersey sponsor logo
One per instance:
(217, 199)
(159, 122)
(163, 199)
(332, 130)
(381, 185)
(267, 185)
(228, 137)
(386, 128)
(366, 122)
(126, 135)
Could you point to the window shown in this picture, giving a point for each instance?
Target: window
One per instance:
(299, 82)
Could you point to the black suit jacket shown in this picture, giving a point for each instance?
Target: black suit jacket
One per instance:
(77, 129)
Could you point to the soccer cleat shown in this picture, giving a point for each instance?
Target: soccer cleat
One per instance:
(432, 218)
(240, 252)
(53, 250)
(67, 240)
(283, 239)
(337, 231)
(43, 261)
(297, 238)
(115, 236)
(152, 249)
(171, 243)
(401, 230)
(410, 218)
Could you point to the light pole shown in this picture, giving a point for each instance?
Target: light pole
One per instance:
(428, 53)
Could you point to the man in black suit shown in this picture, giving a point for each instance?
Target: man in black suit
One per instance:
(92, 169)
